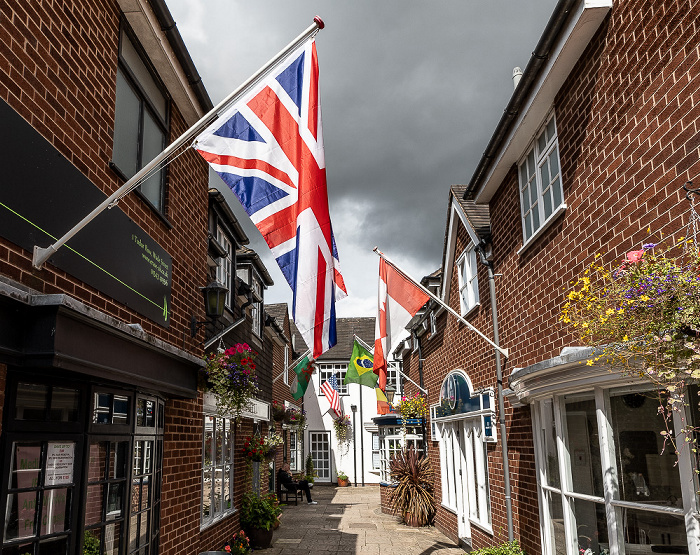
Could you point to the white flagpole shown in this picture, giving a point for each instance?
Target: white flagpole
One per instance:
(41, 255)
(504, 352)
(359, 340)
(288, 368)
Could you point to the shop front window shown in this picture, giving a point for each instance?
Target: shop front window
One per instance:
(217, 458)
(622, 490)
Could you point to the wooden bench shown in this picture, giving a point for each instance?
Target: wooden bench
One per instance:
(283, 494)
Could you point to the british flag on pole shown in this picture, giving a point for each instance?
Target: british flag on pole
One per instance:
(268, 148)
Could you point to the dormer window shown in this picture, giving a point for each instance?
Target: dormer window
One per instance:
(468, 283)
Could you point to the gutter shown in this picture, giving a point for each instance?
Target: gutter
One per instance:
(169, 27)
(534, 67)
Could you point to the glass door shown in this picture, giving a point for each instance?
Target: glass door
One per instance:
(321, 455)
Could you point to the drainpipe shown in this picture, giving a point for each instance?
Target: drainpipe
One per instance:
(499, 381)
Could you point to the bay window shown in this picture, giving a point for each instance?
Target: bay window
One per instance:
(217, 468)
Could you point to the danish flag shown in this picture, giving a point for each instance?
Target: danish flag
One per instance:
(268, 148)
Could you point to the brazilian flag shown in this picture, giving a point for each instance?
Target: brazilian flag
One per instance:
(360, 367)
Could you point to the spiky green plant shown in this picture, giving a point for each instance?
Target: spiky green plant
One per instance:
(413, 494)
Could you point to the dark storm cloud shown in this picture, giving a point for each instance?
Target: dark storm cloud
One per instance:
(411, 93)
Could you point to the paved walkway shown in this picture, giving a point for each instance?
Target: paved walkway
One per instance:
(349, 520)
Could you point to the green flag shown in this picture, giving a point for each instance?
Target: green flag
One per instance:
(303, 370)
(360, 367)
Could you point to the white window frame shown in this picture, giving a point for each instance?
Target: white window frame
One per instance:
(468, 282)
(256, 307)
(217, 512)
(376, 452)
(613, 507)
(327, 369)
(536, 164)
(224, 270)
(285, 376)
(392, 440)
(295, 463)
(393, 375)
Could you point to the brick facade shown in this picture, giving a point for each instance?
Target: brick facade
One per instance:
(626, 119)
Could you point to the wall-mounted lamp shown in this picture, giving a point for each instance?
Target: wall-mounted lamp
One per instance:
(389, 392)
(214, 299)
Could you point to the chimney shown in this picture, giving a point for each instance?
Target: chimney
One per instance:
(517, 74)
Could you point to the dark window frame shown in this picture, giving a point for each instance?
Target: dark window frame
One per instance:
(145, 103)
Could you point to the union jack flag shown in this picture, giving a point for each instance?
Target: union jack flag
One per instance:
(330, 390)
(268, 148)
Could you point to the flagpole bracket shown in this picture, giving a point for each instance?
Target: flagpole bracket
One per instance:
(41, 255)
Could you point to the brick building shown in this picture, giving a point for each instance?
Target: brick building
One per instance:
(592, 150)
(105, 440)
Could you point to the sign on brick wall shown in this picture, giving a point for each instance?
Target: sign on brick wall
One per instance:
(42, 195)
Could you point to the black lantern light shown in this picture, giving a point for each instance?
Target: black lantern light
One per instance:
(214, 300)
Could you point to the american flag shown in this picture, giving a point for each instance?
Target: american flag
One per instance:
(330, 390)
(268, 148)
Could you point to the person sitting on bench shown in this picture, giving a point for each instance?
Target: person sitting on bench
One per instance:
(285, 478)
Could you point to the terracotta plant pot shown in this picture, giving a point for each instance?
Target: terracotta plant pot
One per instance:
(343, 483)
(412, 520)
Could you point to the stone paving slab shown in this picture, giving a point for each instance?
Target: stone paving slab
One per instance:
(349, 521)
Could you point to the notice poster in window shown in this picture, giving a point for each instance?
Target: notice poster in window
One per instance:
(60, 457)
(376, 461)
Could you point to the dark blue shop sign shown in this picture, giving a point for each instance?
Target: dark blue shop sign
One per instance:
(42, 196)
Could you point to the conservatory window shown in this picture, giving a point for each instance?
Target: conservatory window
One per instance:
(607, 482)
(392, 440)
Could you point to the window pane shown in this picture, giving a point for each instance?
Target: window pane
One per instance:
(206, 492)
(31, 401)
(645, 475)
(582, 428)
(93, 505)
(547, 197)
(531, 164)
(557, 192)
(549, 444)
(120, 410)
(550, 130)
(535, 218)
(64, 405)
(556, 522)
(153, 140)
(115, 499)
(55, 512)
(528, 226)
(533, 193)
(523, 174)
(26, 466)
(21, 515)
(209, 423)
(126, 127)
(143, 76)
(663, 533)
(54, 546)
(112, 539)
(591, 526)
(541, 143)
(219, 440)
(119, 459)
(98, 461)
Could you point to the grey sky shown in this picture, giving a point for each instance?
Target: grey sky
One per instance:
(411, 92)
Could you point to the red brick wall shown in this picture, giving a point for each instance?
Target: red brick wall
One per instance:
(58, 67)
(627, 121)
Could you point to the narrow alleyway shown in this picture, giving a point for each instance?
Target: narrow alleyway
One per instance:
(348, 520)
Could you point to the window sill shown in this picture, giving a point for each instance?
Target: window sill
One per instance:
(485, 527)
(544, 227)
(471, 310)
(449, 509)
(218, 519)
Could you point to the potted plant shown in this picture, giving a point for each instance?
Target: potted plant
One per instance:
(259, 513)
(412, 497)
(341, 426)
(239, 545)
(309, 469)
(342, 479)
(270, 444)
(279, 411)
(230, 376)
